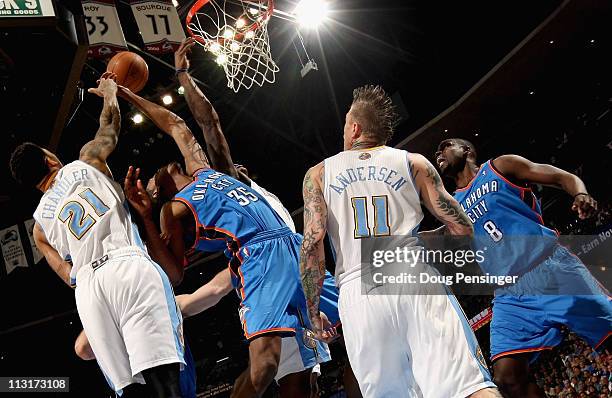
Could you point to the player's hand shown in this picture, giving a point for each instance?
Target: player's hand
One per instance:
(106, 85)
(180, 56)
(323, 329)
(585, 206)
(136, 194)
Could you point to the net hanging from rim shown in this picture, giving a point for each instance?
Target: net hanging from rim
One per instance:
(236, 33)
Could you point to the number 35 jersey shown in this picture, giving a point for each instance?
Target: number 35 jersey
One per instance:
(369, 193)
(227, 212)
(508, 223)
(84, 215)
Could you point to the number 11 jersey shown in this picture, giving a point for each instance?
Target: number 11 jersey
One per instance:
(369, 193)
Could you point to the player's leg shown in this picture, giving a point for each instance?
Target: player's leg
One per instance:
(511, 374)
(150, 322)
(436, 330)
(164, 380)
(297, 385)
(264, 356)
(382, 363)
(100, 324)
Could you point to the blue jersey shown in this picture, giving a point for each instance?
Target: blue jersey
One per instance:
(507, 222)
(227, 212)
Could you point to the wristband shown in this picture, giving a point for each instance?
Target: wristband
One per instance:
(581, 193)
(180, 70)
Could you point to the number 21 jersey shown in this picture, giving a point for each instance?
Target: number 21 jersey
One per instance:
(84, 215)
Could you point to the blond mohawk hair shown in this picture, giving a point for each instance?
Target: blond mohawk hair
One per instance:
(375, 111)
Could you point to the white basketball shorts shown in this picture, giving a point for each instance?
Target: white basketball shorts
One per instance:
(127, 307)
(409, 345)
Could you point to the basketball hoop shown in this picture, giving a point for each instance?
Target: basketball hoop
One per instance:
(236, 33)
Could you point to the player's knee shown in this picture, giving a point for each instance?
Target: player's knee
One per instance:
(83, 350)
(510, 383)
(262, 373)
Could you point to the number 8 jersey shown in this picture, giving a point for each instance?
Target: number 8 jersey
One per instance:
(84, 215)
(507, 223)
(369, 193)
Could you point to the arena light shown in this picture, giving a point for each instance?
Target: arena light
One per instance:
(180, 90)
(240, 23)
(137, 118)
(167, 99)
(228, 34)
(215, 48)
(221, 59)
(175, 3)
(249, 35)
(234, 46)
(311, 13)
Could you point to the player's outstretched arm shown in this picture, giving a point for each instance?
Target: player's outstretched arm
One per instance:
(521, 169)
(312, 254)
(206, 296)
(435, 197)
(174, 126)
(60, 266)
(169, 258)
(204, 113)
(97, 150)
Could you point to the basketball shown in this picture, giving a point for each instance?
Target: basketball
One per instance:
(132, 71)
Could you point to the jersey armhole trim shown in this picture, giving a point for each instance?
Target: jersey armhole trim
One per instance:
(195, 220)
(506, 179)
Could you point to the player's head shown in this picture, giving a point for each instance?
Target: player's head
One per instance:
(453, 154)
(372, 117)
(31, 165)
(166, 182)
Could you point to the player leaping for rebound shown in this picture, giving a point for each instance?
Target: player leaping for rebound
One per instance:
(415, 342)
(224, 213)
(293, 377)
(124, 299)
(554, 287)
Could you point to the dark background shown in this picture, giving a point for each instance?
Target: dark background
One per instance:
(552, 105)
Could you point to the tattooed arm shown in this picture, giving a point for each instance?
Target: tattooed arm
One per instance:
(97, 150)
(172, 125)
(312, 254)
(435, 197)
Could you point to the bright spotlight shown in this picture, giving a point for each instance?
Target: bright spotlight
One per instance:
(137, 118)
(215, 48)
(222, 59)
(228, 34)
(310, 13)
(234, 46)
(167, 99)
(175, 3)
(240, 23)
(249, 35)
(180, 90)
(253, 11)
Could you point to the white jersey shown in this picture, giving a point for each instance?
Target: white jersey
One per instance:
(369, 193)
(276, 205)
(84, 215)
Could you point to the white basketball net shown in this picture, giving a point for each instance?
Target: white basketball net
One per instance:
(236, 34)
